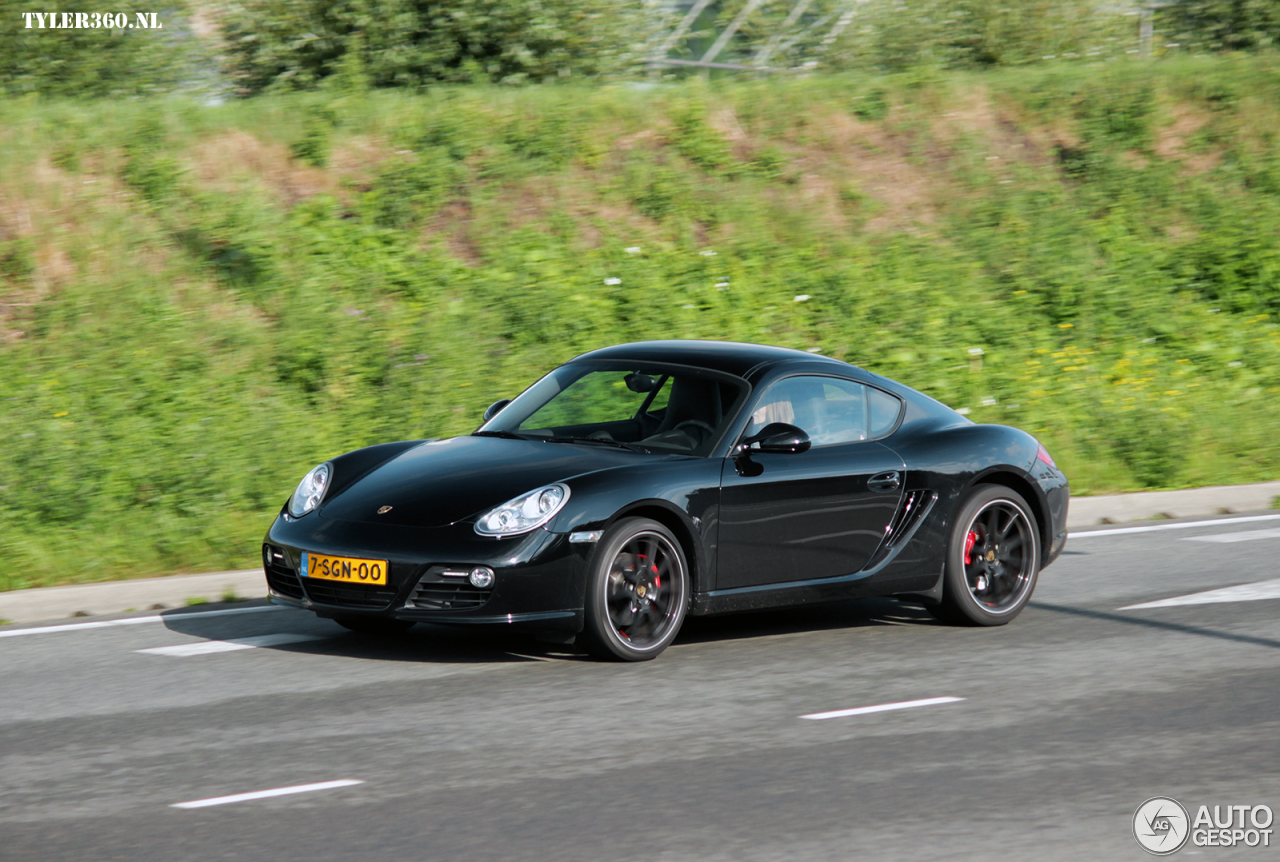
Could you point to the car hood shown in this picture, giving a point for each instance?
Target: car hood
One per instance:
(444, 481)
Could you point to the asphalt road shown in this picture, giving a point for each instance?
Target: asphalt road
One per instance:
(473, 747)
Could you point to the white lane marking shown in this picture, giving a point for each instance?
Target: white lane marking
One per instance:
(1254, 592)
(131, 621)
(267, 794)
(1242, 536)
(882, 707)
(1187, 525)
(205, 647)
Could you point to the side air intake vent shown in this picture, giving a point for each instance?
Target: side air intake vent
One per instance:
(910, 511)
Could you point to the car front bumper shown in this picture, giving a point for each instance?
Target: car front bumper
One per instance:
(539, 577)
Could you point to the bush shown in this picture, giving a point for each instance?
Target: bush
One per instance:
(405, 44)
(89, 63)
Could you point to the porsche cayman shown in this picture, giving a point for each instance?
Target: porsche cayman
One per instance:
(641, 483)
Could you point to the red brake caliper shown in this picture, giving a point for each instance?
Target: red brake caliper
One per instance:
(969, 541)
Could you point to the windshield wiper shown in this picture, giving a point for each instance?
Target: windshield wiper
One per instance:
(597, 440)
(506, 435)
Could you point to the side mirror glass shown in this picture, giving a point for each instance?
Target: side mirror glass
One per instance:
(777, 437)
(495, 408)
(638, 382)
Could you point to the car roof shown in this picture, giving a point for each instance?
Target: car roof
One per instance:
(731, 357)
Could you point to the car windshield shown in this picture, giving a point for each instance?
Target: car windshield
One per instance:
(649, 408)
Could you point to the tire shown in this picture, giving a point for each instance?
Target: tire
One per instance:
(637, 591)
(1003, 559)
(374, 625)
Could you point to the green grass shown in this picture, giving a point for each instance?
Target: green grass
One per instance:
(199, 304)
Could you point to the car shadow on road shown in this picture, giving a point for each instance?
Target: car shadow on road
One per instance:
(428, 644)
(454, 644)
(850, 614)
(422, 643)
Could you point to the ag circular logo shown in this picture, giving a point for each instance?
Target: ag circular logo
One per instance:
(1161, 825)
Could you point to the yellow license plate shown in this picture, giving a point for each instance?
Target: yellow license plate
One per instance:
(345, 569)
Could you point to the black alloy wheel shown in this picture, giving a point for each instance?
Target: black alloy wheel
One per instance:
(637, 591)
(993, 559)
(374, 625)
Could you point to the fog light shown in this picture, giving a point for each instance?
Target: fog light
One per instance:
(481, 577)
(266, 555)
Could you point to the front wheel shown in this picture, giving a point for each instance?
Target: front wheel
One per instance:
(993, 559)
(637, 591)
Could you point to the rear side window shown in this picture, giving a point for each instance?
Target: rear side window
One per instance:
(884, 411)
(830, 410)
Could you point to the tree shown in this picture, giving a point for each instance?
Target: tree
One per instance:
(1230, 25)
(296, 45)
(93, 61)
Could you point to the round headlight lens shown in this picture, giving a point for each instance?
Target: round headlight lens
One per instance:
(311, 490)
(524, 513)
(481, 577)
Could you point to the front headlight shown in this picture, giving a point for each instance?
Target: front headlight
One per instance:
(311, 490)
(524, 513)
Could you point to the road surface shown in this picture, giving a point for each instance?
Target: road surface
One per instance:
(124, 739)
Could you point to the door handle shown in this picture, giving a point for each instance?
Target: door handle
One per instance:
(884, 482)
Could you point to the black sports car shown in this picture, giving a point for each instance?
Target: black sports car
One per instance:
(643, 482)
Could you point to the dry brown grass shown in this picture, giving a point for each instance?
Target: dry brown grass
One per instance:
(221, 163)
(877, 162)
(43, 208)
(1171, 141)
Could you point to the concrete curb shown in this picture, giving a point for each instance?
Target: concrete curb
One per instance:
(112, 597)
(1189, 503)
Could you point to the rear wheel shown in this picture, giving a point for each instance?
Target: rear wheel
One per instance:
(374, 625)
(993, 559)
(637, 591)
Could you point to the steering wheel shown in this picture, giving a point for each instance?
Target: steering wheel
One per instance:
(696, 423)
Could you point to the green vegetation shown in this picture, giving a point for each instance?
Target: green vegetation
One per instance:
(92, 61)
(230, 595)
(394, 43)
(249, 47)
(192, 601)
(198, 304)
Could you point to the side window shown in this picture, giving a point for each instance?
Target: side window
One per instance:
(659, 402)
(828, 409)
(884, 411)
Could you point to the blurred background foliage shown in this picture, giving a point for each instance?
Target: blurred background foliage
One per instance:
(249, 47)
(200, 301)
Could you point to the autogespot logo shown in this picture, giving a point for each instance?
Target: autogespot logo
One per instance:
(1161, 825)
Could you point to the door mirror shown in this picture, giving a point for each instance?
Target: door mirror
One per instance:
(776, 437)
(495, 408)
(638, 382)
